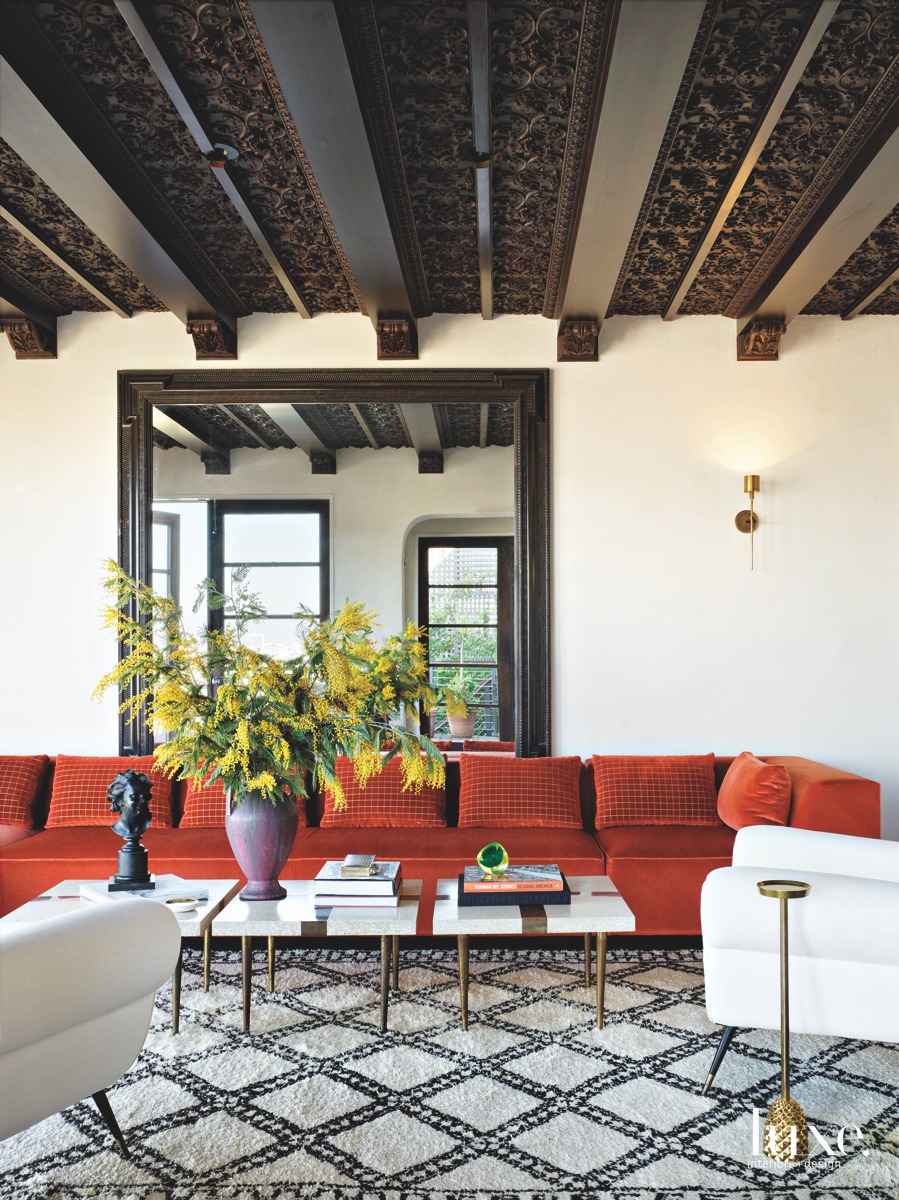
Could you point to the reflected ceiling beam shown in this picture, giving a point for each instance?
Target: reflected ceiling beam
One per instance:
(306, 49)
(868, 202)
(192, 123)
(479, 51)
(807, 45)
(289, 420)
(64, 265)
(871, 295)
(485, 424)
(421, 426)
(174, 429)
(652, 44)
(41, 143)
(364, 426)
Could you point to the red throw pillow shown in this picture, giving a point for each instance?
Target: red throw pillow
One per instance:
(204, 807)
(20, 777)
(80, 785)
(754, 793)
(382, 801)
(523, 793)
(486, 746)
(654, 789)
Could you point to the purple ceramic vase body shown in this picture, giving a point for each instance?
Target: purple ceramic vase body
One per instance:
(261, 835)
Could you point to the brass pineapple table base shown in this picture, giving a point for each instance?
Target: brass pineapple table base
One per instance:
(785, 1137)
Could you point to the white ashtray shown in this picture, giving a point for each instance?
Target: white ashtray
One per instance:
(182, 904)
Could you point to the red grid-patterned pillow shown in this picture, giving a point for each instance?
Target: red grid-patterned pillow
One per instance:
(204, 807)
(653, 789)
(382, 802)
(80, 785)
(519, 792)
(20, 777)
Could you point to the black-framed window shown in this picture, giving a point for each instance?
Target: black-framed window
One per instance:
(286, 544)
(166, 569)
(465, 605)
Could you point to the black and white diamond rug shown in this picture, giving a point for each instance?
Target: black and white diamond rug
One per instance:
(532, 1103)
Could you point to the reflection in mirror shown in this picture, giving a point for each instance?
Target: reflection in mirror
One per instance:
(332, 496)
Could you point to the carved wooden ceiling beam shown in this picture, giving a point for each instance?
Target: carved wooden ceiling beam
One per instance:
(64, 264)
(307, 54)
(638, 83)
(482, 146)
(28, 339)
(48, 151)
(863, 206)
(194, 126)
(870, 295)
(15, 308)
(818, 19)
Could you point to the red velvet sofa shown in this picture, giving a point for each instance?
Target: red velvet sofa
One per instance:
(659, 868)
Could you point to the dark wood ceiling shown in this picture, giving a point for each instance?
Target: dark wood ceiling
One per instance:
(402, 157)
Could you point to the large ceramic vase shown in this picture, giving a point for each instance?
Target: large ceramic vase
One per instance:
(261, 835)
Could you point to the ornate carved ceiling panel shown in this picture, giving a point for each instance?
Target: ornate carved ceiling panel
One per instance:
(500, 425)
(386, 425)
(223, 67)
(852, 77)
(333, 424)
(87, 68)
(33, 274)
(425, 57)
(458, 424)
(876, 258)
(739, 54)
(410, 64)
(36, 206)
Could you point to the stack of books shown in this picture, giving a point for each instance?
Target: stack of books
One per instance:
(380, 886)
(537, 883)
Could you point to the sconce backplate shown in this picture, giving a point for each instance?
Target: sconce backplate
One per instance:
(746, 521)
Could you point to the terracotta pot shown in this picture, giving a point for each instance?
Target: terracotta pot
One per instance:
(462, 727)
(261, 835)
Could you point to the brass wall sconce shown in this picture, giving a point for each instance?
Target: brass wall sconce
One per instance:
(746, 520)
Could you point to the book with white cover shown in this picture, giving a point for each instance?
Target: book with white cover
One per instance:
(384, 883)
(367, 901)
(168, 887)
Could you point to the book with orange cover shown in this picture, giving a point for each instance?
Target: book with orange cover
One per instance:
(539, 877)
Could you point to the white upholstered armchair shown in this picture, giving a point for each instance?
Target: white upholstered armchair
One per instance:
(76, 998)
(843, 941)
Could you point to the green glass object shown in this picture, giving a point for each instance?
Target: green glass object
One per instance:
(493, 860)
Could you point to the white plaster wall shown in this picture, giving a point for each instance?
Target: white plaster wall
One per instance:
(663, 639)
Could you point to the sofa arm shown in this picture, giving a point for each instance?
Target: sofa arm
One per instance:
(779, 849)
(831, 800)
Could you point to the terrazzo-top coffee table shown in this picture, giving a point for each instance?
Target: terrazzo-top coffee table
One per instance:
(296, 916)
(595, 908)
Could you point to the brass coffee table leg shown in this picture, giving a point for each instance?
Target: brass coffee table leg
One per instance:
(207, 955)
(246, 957)
(271, 963)
(601, 940)
(463, 977)
(176, 993)
(588, 938)
(386, 949)
(396, 963)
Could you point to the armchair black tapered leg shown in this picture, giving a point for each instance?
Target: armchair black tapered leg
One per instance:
(102, 1102)
(726, 1036)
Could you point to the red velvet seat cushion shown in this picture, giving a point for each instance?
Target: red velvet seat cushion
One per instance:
(505, 793)
(754, 793)
(382, 803)
(653, 789)
(80, 785)
(20, 778)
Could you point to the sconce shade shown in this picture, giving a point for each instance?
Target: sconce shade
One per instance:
(751, 484)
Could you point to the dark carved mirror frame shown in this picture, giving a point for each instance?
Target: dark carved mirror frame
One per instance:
(526, 390)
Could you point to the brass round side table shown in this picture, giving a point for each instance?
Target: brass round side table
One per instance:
(785, 1137)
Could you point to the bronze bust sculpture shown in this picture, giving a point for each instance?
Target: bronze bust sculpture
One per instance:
(129, 796)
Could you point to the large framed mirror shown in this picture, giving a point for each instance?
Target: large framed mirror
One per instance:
(388, 458)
